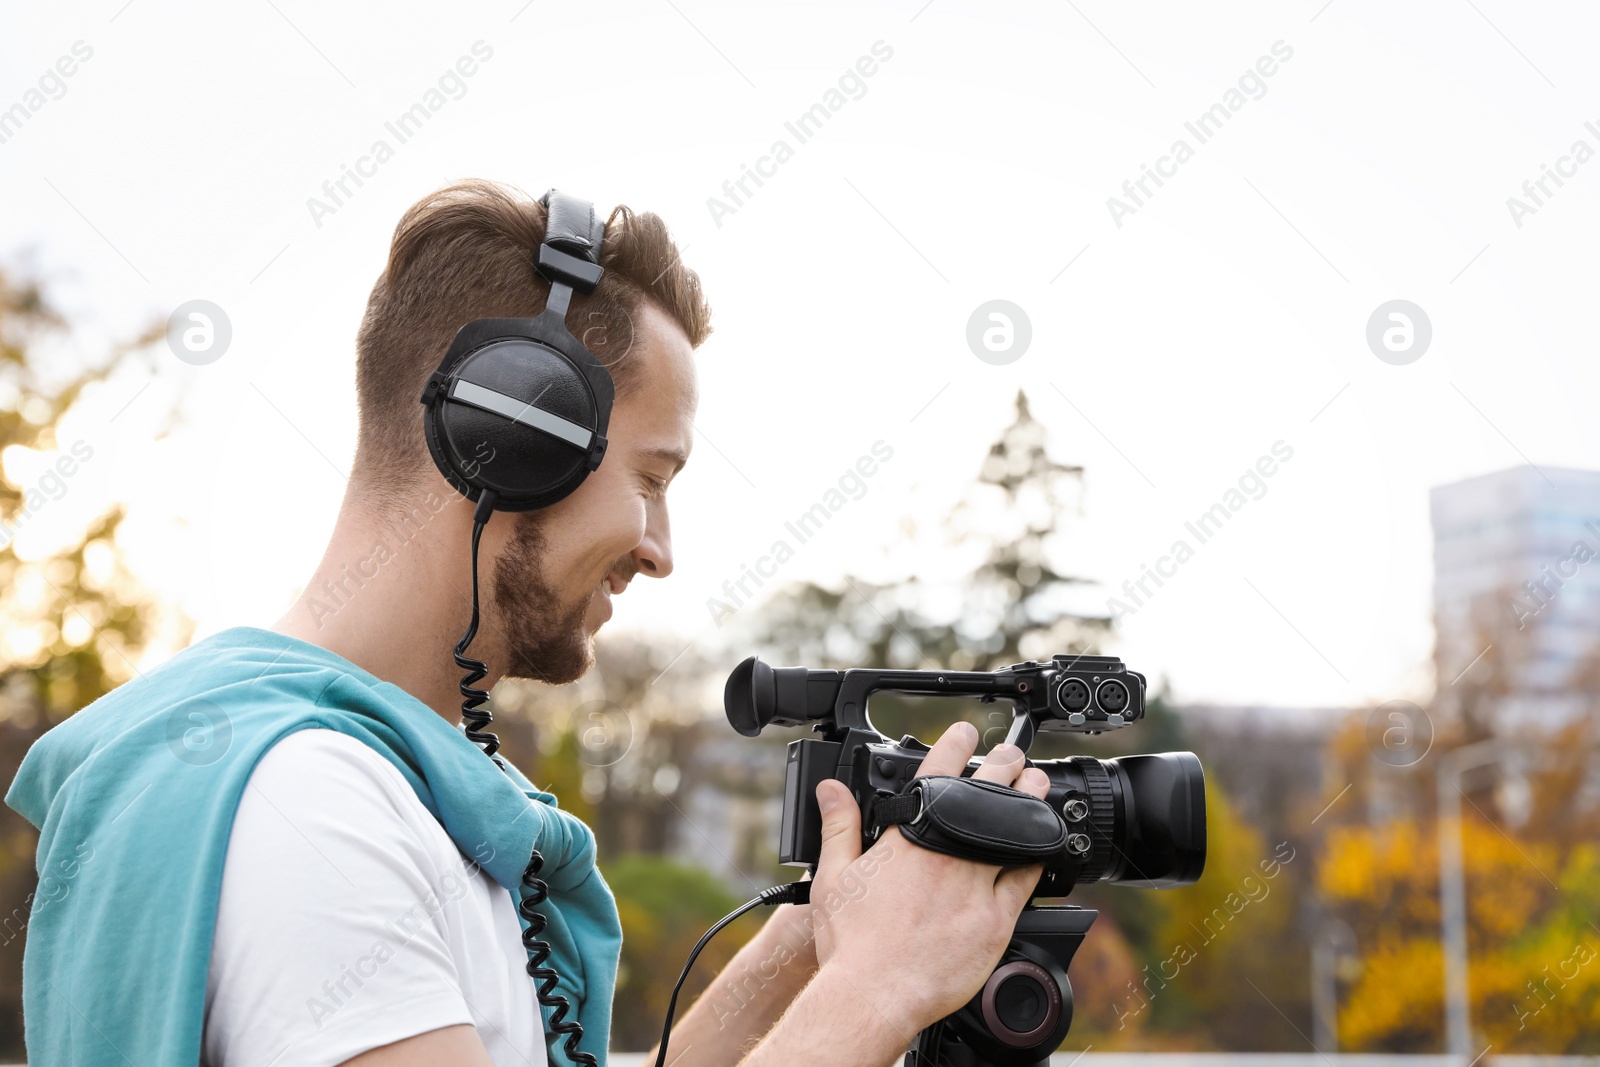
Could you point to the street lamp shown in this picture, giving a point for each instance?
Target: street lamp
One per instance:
(1453, 891)
(1332, 943)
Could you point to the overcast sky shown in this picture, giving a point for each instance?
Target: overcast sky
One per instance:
(1175, 340)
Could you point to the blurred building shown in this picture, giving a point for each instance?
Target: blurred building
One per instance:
(1516, 565)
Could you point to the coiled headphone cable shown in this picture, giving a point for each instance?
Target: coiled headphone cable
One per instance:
(476, 717)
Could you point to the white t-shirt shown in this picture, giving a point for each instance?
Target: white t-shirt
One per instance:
(349, 920)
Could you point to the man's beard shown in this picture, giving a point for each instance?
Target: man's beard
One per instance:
(546, 639)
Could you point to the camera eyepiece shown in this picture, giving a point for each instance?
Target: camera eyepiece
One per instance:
(749, 698)
(757, 695)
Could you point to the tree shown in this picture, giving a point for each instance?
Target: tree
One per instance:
(665, 906)
(1535, 979)
(620, 747)
(1209, 979)
(1004, 539)
(74, 619)
(1530, 866)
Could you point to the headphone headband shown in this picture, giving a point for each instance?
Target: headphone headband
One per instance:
(572, 238)
(520, 407)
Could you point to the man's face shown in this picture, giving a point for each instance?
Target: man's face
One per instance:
(561, 566)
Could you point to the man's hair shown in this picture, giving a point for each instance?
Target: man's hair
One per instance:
(467, 252)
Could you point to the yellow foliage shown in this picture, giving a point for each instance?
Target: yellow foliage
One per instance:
(1214, 932)
(1399, 1001)
(1104, 962)
(1523, 933)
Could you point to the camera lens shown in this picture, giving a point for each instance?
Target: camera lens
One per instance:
(1021, 1003)
(1143, 818)
(1162, 839)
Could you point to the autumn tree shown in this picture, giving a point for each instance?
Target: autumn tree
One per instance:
(1005, 539)
(1529, 819)
(74, 620)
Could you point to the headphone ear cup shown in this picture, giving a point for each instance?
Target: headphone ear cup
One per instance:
(479, 449)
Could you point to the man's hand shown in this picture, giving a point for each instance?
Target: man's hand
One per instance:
(904, 935)
(917, 932)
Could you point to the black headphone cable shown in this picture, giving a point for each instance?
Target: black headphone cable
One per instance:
(476, 718)
(791, 893)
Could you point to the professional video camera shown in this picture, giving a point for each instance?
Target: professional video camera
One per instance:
(1135, 820)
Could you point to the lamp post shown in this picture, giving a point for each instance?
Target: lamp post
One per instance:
(1332, 942)
(1453, 892)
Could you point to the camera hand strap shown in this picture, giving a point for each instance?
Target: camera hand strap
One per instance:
(972, 818)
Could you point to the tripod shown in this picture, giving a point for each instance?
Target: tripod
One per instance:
(1023, 1012)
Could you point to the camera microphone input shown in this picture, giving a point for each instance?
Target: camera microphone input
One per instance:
(1074, 694)
(1112, 696)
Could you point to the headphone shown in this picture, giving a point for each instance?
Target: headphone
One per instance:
(516, 418)
(519, 408)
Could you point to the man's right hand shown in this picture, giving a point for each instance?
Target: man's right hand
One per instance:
(928, 929)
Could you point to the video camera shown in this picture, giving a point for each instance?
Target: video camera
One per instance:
(1135, 820)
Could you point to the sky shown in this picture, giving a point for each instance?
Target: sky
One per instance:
(1183, 338)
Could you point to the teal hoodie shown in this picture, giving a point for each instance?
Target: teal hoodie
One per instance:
(134, 798)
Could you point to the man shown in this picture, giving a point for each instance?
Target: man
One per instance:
(353, 907)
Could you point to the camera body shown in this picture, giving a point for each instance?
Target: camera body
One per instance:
(1135, 820)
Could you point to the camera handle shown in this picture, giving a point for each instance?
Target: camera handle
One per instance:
(971, 818)
(859, 683)
(851, 723)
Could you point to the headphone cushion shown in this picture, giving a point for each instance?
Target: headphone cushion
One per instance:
(526, 468)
